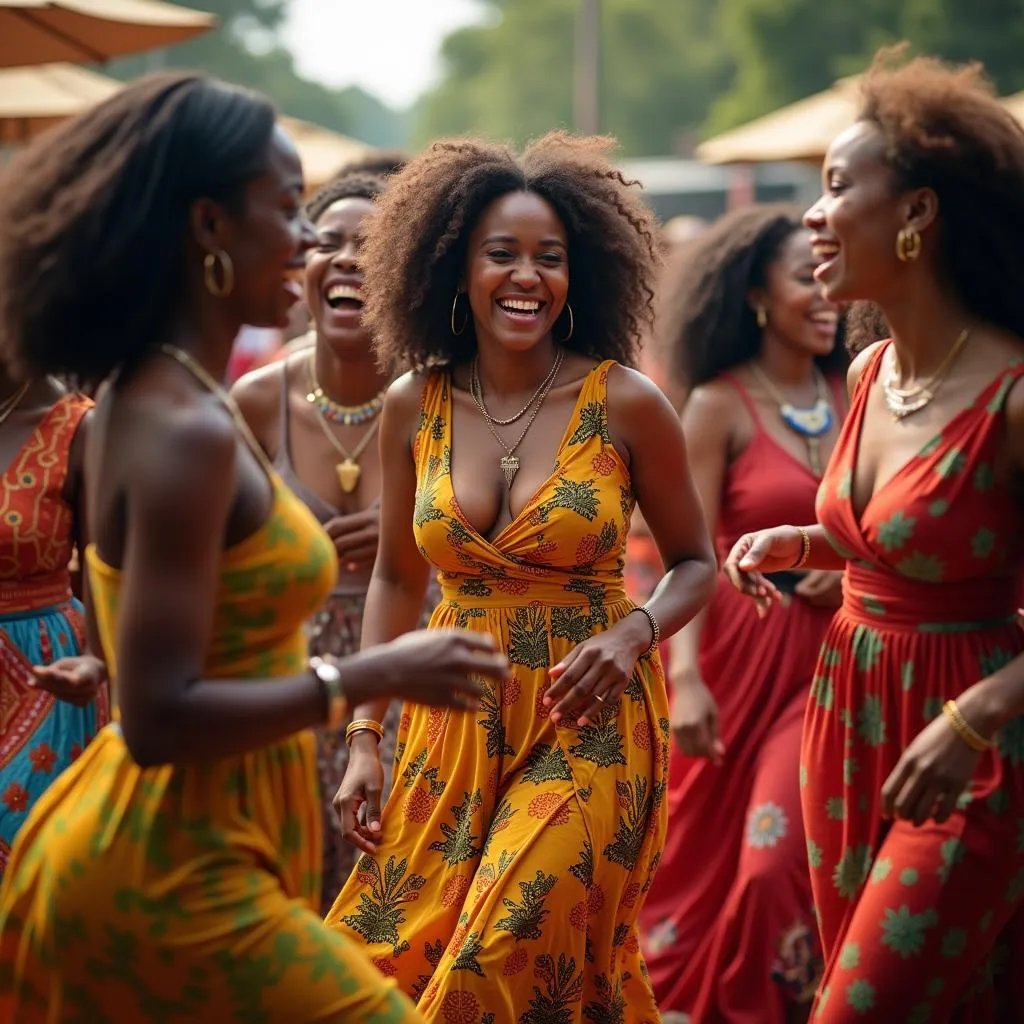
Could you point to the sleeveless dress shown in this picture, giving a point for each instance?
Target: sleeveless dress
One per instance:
(728, 929)
(335, 629)
(40, 621)
(184, 893)
(911, 917)
(516, 853)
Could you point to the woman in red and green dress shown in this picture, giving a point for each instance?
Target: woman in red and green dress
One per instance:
(913, 753)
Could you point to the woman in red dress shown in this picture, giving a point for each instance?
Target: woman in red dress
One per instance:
(913, 753)
(728, 927)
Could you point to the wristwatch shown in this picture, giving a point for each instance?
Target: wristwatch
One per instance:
(329, 677)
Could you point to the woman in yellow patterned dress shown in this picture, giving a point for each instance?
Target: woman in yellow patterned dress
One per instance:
(503, 879)
(172, 873)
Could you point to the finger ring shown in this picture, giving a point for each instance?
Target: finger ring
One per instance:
(598, 696)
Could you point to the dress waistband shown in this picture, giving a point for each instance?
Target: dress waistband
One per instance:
(882, 600)
(522, 592)
(20, 596)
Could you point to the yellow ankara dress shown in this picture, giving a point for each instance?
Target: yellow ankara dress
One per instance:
(515, 854)
(187, 893)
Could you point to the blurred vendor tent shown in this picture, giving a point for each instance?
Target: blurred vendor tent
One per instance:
(33, 99)
(801, 131)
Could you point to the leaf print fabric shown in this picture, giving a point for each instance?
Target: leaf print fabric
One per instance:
(531, 845)
(186, 893)
(917, 924)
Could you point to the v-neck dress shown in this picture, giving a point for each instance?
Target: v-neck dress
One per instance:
(914, 920)
(516, 853)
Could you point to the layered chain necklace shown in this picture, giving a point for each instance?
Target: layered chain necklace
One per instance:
(903, 402)
(348, 470)
(510, 461)
(811, 424)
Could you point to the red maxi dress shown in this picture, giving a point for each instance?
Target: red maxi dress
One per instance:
(728, 929)
(915, 922)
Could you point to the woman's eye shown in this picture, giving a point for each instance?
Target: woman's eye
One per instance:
(500, 254)
(552, 257)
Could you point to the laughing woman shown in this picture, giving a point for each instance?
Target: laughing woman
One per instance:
(728, 929)
(316, 414)
(913, 748)
(504, 877)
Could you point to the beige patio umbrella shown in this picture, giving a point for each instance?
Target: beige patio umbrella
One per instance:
(800, 131)
(323, 151)
(35, 98)
(85, 31)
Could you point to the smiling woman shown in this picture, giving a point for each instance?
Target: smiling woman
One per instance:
(516, 453)
(911, 763)
(134, 242)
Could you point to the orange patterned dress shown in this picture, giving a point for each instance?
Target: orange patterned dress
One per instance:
(40, 621)
(516, 853)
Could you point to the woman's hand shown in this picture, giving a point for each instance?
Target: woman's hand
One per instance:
(821, 588)
(75, 680)
(439, 667)
(593, 675)
(356, 537)
(361, 787)
(757, 553)
(930, 775)
(694, 720)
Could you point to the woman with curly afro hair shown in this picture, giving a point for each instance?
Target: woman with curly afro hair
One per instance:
(913, 753)
(134, 242)
(728, 928)
(504, 877)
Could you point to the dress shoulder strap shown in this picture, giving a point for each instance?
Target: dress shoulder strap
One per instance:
(745, 397)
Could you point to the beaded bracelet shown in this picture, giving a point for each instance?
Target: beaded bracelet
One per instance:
(805, 552)
(655, 629)
(363, 725)
(965, 730)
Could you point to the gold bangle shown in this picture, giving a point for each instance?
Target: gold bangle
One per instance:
(965, 730)
(364, 725)
(805, 553)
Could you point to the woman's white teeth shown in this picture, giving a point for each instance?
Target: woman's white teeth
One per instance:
(519, 305)
(339, 292)
(825, 251)
(824, 317)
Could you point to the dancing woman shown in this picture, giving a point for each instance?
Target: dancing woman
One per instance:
(52, 706)
(913, 784)
(172, 872)
(504, 877)
(728, 929)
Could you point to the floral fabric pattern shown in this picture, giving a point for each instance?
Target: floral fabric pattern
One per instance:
(516, 853)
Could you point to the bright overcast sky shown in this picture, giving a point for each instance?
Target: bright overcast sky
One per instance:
(389, 47)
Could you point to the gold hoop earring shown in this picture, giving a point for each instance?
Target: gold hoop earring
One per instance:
(211, 261)
(908, 245)
(465, 322)
(572, 325)
(762, 317)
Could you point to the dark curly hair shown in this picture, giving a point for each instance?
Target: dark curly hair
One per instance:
(706, 325)
(345, 186)
(378, 163)
(415, 248)
(944, 129)
(94, 217)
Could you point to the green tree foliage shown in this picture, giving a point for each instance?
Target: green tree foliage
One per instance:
(671, 69)
(511, 76)
(245, 48)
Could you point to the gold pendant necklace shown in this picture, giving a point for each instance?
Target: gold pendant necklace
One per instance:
(509, 462)
(348, 470)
